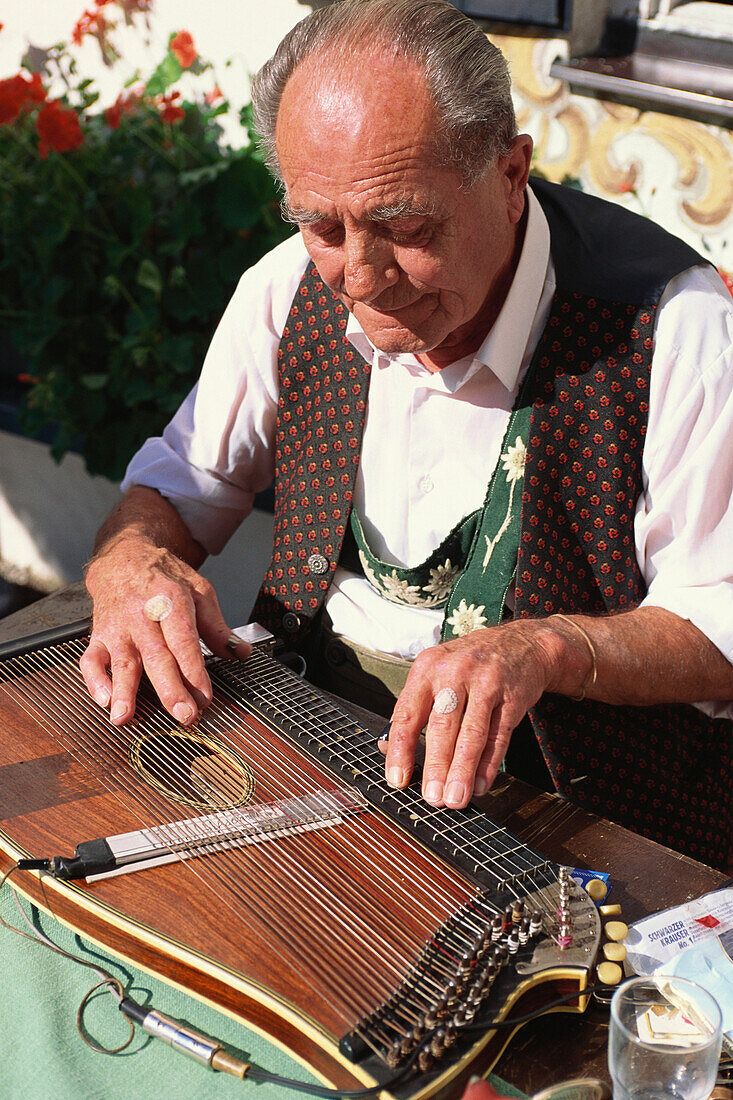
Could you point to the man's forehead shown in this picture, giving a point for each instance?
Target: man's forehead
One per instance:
(366, 101)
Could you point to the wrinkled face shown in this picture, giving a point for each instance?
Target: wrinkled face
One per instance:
(422, 264)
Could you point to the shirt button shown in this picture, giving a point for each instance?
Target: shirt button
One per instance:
(317, 564)
(426, 484)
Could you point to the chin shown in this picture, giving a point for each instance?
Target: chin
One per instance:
(397, 340)
(387, 334)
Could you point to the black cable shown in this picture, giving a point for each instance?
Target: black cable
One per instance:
(362, 1094)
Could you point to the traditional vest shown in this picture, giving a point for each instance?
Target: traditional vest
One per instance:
(663, 771)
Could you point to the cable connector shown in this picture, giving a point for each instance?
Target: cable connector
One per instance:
(206, 1051)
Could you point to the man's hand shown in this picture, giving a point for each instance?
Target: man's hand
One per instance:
(497, 674)
(642, 657)
(129, 569)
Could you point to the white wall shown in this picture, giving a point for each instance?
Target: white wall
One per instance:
(49, 514)
(243, 33)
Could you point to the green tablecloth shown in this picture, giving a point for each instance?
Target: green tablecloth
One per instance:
(43, 1057)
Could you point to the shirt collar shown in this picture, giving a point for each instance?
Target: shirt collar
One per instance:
(503, 350)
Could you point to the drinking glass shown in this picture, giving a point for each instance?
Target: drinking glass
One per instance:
(664, 1040)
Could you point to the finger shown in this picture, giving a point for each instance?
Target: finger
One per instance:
(165, 677)
(440, 741)
(211, 623)
(500, 734)
(473, 735)
(94, 664)
(181, 636)
(408, 720)
(126, 670)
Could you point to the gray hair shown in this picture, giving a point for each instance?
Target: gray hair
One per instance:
(466, 76)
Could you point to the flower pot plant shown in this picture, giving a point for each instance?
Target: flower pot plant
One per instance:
(122, 235)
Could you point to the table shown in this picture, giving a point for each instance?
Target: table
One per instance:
(645, 877)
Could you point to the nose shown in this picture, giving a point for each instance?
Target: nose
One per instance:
(369, 266)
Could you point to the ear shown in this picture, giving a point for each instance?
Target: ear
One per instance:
(514, 168)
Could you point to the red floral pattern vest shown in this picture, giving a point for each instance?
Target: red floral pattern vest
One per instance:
(663, 771)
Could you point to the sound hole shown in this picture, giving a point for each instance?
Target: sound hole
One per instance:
(193, 770)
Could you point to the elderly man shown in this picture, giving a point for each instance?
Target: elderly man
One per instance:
(496, 420)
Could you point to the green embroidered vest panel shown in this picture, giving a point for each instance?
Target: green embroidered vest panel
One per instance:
(582, 479)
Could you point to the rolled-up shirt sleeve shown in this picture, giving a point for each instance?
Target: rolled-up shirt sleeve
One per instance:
(218, 450)
(684, 519)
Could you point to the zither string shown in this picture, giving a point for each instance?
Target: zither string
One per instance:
(285, 937)
(513, 854)
(116, 732)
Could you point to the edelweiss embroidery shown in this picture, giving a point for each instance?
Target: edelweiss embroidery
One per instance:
(513, 463)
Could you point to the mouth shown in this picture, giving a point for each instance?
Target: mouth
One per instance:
(390, 310)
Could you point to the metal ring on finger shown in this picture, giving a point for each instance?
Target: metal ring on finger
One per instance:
(158, 608)
(446, 701)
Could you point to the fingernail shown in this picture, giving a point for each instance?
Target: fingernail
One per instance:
(455, 792)
(118, 710)
(395, 777)
(433, 791)
(182, 713)
(480, 786)
(101, 697)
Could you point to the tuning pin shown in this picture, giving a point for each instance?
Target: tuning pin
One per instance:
(437, 1043)
(565, 938)
(488, 975)
(394, 1056)
(517, 911)
(425, 1060)
(524, 928)
(535, 925)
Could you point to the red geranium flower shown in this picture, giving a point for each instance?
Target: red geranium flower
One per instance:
(168, 111)
(36, 92)
(58, 128)
(124, 104)
(183, 49)
(212, 96)
(13, 93)
(91, 22)
(16, 92)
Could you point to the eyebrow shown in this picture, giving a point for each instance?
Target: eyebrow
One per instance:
(404, 208)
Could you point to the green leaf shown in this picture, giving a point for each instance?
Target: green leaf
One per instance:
(205, 174)
(111, 287)
(149, 277)
(94, 381)
(167, 73)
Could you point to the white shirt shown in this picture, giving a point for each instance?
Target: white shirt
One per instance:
(431, 441)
